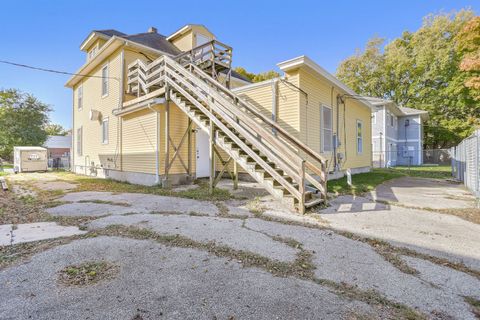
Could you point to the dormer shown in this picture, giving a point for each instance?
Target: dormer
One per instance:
(190, 36)
(95, 40)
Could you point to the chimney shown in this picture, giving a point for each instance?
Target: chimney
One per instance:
(152, 30)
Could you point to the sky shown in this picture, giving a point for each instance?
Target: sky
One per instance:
(48, 33)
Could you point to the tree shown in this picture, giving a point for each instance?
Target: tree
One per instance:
(53, 129)
(258, 77)
(422, 70)
(468, 44)
(22, 121)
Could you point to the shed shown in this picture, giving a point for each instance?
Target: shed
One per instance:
(28, 159)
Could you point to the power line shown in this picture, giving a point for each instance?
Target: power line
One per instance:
(53, 71)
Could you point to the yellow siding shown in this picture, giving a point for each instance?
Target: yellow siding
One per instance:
(188, 40)
(139, 141)
(94, 151)
(320, 92)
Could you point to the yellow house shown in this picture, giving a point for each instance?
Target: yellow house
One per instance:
(151, 109)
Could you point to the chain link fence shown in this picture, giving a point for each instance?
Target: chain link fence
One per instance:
(411, 157)
(59, 163)
(466, 162)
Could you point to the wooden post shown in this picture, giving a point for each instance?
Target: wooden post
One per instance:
(166, 182)
(189, 141)
(235, 175)
(301, 188)
(212, 156)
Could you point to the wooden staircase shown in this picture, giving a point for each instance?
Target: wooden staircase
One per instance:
(283, 165)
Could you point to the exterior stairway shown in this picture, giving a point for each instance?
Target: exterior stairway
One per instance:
(283, 165)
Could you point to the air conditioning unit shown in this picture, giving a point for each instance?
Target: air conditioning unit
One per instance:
(95, 115)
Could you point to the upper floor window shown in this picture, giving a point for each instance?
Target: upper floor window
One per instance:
(92, 52)
(391, 120)
(105, 81)
(359, 137)
(79, 141)
(105, 131)
(327, 129)
(80, 97)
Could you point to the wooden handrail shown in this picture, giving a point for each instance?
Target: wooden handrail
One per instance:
(290, 161)
(295, 141)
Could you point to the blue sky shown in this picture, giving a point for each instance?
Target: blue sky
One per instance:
(262, 33)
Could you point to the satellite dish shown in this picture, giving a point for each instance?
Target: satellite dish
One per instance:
(94, 115)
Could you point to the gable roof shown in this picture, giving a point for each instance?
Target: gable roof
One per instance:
(186, 28)
(154, 40)
(306, 61)
(399, 111)
(110, 32)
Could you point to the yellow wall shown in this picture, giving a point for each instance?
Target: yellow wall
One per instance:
(187, 40)
(300, 113)
(93, 148)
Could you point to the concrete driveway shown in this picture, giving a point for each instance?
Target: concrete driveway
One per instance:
(187, 259)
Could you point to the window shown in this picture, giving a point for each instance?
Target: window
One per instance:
(105, 81)
(80, 97)
(391, 120)
(327, 141)
(359, 137)
(79, 141)
(92, 52)
(105, 131)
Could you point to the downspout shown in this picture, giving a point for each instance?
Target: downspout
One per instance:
(72, 149)
(119, 119)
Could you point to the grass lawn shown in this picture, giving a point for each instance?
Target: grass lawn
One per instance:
(364, 182)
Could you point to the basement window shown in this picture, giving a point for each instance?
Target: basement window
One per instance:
(105, 126)
(327, 129)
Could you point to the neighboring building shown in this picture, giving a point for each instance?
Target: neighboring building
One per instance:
(156, 109)
(58, 146)
(397, 134)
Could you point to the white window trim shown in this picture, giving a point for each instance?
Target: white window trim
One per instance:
(323, 129)
(356, 135)
(80, 141)
(107, 78)
(108, 130)
(80, 107)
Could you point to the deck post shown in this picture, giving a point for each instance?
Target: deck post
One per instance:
(189, 141)
(212, 156)
(166, 182)
(235, 175)
(301, 188)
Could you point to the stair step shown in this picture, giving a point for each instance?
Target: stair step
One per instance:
(314, 202)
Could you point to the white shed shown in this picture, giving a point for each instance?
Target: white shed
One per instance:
(28, 159)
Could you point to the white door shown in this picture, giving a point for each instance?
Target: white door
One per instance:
(203, 154)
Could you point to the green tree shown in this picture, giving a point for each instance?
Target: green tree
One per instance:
(421, 70)
(53, 129)
(468, 44)
(257, 77)
(22, 121)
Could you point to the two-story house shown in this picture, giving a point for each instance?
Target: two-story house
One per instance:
(153, 109)
(397, 134)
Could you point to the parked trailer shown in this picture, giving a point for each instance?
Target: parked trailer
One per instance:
(30, 159)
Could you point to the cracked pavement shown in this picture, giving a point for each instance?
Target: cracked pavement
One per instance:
(161, 281)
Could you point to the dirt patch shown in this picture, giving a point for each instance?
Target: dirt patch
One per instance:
(475, 304)
(469, 214)
(113, 203)
(17, 210)
(87, 273)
